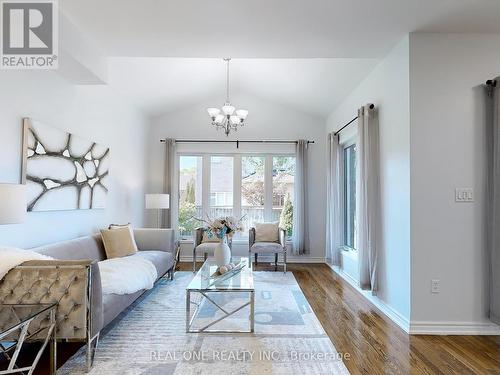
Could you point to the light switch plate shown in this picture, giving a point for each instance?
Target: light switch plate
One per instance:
(435, 287)
(464, 195)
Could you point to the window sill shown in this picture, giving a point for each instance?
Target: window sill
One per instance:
(349, 252)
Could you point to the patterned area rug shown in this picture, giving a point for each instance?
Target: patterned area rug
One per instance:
(149, 338)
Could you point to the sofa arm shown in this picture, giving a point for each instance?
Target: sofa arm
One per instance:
(156, 239)
(75, 285)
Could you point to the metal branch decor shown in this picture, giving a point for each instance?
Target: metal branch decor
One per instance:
(63, 171)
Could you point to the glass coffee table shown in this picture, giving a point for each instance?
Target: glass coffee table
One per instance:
(219, 298)
(16, 327)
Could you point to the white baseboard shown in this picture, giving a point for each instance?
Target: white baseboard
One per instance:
(454, 328)
(384, 308)
(265, 259)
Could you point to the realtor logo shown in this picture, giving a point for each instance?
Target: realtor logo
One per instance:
(29, 34)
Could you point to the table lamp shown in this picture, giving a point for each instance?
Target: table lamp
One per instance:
(158, 202)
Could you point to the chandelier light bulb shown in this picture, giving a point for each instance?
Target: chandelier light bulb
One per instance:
(219, 119)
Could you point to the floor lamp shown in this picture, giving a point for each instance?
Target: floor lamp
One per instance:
(158, 202)
(12, 203)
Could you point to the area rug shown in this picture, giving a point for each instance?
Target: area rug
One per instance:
(149, 338)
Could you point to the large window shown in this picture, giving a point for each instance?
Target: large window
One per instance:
(190, 193)
(256, 187)
(283, 191)
(221, 186)
(349, 187)
(252, 189)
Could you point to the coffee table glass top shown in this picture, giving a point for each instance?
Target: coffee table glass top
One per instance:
(12, 316)
(205, 278)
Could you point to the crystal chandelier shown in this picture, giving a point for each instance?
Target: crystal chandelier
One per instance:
(228, 118)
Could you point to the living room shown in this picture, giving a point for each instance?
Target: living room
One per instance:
(296, 188)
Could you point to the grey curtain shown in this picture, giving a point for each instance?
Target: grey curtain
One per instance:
(300, 214)
(368, 190)
(169, 217)
(333, 215)
(493, 202)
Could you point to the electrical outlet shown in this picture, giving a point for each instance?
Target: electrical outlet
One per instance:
(435, 288)
(464, 195)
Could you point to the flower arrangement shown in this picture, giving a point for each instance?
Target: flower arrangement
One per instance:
(223, 226)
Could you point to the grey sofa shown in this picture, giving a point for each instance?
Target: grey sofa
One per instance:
(73, 281)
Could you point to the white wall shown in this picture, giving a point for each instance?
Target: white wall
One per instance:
(387, 86)
(447, 151)
(93, 112)
(266, 121)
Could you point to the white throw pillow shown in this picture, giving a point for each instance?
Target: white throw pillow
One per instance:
(267, 232)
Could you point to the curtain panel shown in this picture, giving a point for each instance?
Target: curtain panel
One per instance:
(300, 212)
(493, 199)
(333, 213)
(169, 217)
(368, 192)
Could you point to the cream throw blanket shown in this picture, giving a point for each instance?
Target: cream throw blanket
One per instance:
(11, 257)
(126, 275)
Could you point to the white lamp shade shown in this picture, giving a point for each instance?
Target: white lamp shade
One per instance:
(228, 109)
(213, 112)
(235, 120)
(242, 113)
(157, 201)
(12, 203)
(219, 119)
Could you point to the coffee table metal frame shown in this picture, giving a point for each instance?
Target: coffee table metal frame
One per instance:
(206, 295)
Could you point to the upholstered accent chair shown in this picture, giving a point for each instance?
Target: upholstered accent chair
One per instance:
(204, 245)
(267, 247)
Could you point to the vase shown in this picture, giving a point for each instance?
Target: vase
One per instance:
(222, 253)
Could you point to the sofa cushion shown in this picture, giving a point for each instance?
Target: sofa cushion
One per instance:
(89, 247)
(162, 260)
(266, 247)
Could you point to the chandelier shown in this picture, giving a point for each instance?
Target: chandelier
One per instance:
(228, 117)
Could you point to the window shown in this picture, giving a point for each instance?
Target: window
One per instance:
(221, 186)
(349, 187)
(190, 193)
(256, 187)
(252, 190)
(283, 191)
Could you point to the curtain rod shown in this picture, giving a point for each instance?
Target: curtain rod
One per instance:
(350, 122)
(227, 141)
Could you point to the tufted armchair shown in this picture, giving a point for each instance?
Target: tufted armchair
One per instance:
(203, 246)
(265, 247)
(74, 285)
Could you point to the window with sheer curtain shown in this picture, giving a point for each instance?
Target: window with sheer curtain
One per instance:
(255, 187)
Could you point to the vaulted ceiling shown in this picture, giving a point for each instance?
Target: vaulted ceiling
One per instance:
(307, 54)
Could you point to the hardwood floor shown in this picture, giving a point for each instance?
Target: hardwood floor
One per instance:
(374, 343)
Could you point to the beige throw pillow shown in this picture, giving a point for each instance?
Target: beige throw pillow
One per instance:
(267, 232)
(118, 242)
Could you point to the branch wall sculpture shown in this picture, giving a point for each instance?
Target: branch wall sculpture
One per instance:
(64, 172)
